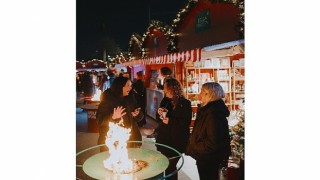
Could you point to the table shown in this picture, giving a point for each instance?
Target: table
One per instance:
(92, 111)
(87, 100)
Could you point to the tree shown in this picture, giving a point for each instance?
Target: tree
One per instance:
(108, 47)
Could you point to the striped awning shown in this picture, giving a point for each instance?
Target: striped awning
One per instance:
(184, 56)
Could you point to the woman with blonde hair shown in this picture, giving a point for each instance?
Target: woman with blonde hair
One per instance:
(209, 143)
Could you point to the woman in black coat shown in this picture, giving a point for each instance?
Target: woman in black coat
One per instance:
(116, 103)
(209, 143)
(173, 130)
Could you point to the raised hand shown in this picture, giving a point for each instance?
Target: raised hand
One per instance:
(118, 112)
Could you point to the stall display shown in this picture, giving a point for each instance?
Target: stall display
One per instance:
(210, 70)
(236, 121)
(238, 82)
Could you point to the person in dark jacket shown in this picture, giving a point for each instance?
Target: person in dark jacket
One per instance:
(209, 143)
(139, 91)
(116, 104)
(87, 85)
(173, 129)
(166, 73)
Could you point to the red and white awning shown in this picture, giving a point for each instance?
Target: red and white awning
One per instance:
(184, 56)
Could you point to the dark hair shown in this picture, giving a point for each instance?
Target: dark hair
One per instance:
(117, 85)
(176, 89)
(165, 71)
(110, 73)
(140, 74)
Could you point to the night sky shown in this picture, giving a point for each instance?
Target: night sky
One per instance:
(117, 19)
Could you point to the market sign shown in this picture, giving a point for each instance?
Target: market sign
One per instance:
(202, 21)
(184, 56)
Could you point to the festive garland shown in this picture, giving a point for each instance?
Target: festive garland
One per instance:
(170, 31)
(166, 29)
(135, 39)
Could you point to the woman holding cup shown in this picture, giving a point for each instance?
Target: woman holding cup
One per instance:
(174, 115)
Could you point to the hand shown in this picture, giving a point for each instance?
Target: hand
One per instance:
(136, 112)
(160, 111)
(165, 120)
(118, 112)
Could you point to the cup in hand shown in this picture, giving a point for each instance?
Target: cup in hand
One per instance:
(164, 113)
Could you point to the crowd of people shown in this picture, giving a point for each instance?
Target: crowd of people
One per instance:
(88, 82)
(125, 101)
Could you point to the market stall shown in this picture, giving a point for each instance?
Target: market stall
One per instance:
(95, 65)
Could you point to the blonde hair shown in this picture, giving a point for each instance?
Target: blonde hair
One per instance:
(214, 90)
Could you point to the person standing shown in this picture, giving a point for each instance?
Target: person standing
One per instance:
(87, 85)
(117, 105)
(166, 73)
(78, 84)
(173, 130)
(104, 84)
(209, 142)
(139, 91)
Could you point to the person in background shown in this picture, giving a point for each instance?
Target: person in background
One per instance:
(121, 73)
(111, 77)
(78, 84)
(104, 84)
(209, 142)
(118, 105)
(166, 73)
(126, 74)
(173, 129)
(87, 84)
(107, 85)
(139, 92)
(94, 80)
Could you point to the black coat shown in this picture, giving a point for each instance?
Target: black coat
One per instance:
(176, 133)
(210, 139)
(139, 91)
(105, 111)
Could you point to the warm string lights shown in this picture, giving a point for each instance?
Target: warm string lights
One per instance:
(135, 39)
(170, 31)
(86, 64)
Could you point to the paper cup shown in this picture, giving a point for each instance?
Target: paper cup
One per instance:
(164, 113)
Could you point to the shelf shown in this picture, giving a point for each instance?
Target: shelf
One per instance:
(223, 68)
(239, 79)
(192, 81)
(208, 67)
(238, 91)
(228, 77)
